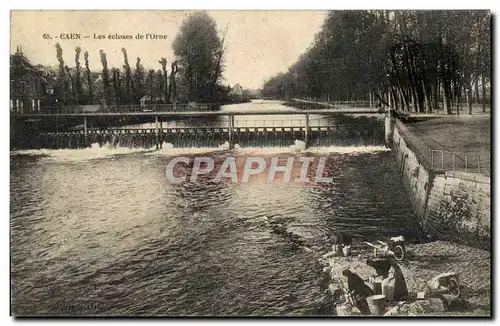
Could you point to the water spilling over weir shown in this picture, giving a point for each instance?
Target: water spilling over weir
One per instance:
(210, 138)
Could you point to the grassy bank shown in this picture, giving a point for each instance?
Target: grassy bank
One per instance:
(462, 133)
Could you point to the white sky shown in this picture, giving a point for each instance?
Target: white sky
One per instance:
(259, 43)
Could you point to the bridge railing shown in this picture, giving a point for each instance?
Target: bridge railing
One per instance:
(244, 123)
(122, 108)
(305, 103)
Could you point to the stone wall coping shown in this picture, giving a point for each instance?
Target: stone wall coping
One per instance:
(468, 176)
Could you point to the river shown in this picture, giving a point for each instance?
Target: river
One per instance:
(100, 231)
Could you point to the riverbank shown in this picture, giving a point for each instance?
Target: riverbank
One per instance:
(337, 106)
(304, 104)
(448, 205)
(229, 102)
(425, 261)
(464, 133)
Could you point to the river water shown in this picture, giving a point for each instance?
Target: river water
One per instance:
(100, 231)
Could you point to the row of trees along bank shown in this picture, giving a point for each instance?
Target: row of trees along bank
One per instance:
(195, 74)
(418, 61)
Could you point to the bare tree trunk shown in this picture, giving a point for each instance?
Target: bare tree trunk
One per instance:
(401, 99)
(163, 63)
(459, 98)
(151, 95)
(453, 93)
(483, 86)
(447, 96)
(435, 96)
(418, 97)
(413, 98)
(420, 92)
(72, 84)
(417, 104)
(172, 86)
(427, 97)
(476, 91)
(468, 97)
(395, 102)
(89, 79)
(407, 61)
(114, 83)
(380, 98)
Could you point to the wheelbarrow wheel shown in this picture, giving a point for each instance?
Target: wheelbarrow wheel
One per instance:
(454, 287)
(399, 252)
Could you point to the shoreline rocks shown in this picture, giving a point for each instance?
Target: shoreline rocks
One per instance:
(423, 263)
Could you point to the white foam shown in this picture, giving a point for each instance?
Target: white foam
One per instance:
(169, 150)
(300, 147)
(261, 150)
(95, 151)
(348, 149)
(82, 154)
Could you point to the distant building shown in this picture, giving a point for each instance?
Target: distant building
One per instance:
(146, 99)
(237, 90)
(28, 86)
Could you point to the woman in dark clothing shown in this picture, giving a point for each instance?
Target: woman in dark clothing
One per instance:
(393, 281)
(342, 238)
(361, 291)
(381, 267)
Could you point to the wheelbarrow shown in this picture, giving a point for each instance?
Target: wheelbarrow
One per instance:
(395, 249)
(445, 283)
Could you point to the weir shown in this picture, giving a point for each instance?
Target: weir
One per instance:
(316, 128)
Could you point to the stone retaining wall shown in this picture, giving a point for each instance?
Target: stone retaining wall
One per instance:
(450, 205)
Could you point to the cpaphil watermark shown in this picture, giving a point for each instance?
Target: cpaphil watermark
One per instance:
(237, 169)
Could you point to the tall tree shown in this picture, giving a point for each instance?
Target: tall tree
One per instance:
(150, 85)
(410, 60)
(129, 82)
(115, 80)
(197, 48)
(158, 86)
(71, 82)
(139, 80)
(61, 90)
(172, 86)
(78, 82)
(163, 63)
(89, 78)
(105, 76)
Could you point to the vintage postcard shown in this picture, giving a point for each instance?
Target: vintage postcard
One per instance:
(250, 163)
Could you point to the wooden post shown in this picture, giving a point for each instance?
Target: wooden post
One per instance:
(85, 133)
(230, 130)
(156, 133)
(389, 129)
(161, 134)
(306, 136)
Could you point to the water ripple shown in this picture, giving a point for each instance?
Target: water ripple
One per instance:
(114, 234)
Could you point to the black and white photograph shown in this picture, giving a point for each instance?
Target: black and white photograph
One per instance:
(250, 163)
